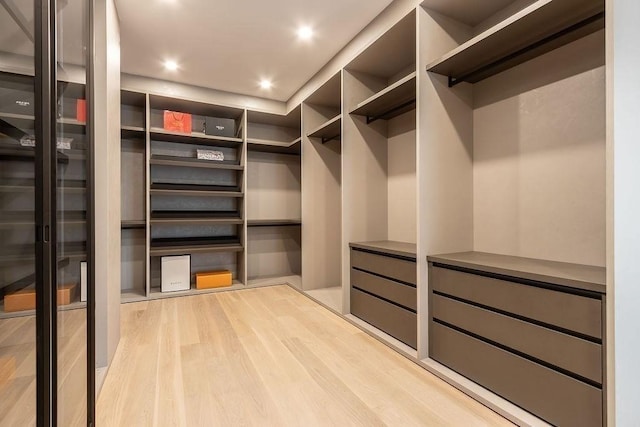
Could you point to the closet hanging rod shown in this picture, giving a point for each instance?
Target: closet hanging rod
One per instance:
(404, 106)
(486, 69)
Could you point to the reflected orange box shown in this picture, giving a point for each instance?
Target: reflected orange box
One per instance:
(213, 279)
(25, 299)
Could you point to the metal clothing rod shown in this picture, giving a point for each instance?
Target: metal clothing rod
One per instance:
(325, 139)
(371, 119)
(469, 76)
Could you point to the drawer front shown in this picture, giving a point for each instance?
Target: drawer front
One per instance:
(554, 397)
(394, 268)
(404, 295)
(568, 311)
(395, 321)
(564, 351)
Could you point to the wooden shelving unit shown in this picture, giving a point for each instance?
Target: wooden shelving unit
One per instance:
(273, 195)
(277, 147)
(392, 101)
(195, 138)
(273, 222)
(533, 31)
(328, 131)
(189, 162)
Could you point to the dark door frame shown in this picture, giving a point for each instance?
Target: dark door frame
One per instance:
(46, 213)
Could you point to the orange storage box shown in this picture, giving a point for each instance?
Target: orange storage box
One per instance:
(213, 279)
(25, 299)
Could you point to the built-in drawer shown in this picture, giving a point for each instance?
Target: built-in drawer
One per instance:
(565, 310)
(394, 268)
(395, 321)
(399, 293)
(552, 396)
(563, 351)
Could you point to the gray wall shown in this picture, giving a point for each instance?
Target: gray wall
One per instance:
(623, 95)
(107, 180)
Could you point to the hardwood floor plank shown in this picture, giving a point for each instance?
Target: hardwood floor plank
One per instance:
(267, 357)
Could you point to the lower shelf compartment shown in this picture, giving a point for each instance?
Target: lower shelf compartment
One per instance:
(179, 246)
(156, 293)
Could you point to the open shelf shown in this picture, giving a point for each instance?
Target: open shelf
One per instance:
(189, 162)
(268, 146)
(390, 102)
(77, 305)
(22, 253)
(130, 295)
(27, 154)
(329, 130)
(64, 124)
(195, 190)
(195, 138)
(156, 293)
(537, 29)
(181, 246)
(128, 132)
(20, 185)
(273, 222)
(133, 224)
(196, 217)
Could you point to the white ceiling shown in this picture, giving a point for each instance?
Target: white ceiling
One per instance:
(232, 44)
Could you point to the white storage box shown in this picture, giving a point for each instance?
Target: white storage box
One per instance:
(176, 273)
(83, 281)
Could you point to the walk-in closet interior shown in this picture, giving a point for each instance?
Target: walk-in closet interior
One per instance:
(444, 183)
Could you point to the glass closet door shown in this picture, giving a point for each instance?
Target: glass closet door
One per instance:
(17, 215)
(72, 209)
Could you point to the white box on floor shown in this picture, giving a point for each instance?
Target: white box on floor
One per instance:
(83, 281)
(176, 273)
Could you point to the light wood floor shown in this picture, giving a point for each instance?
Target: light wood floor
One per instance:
(18, 370)
(267, 357)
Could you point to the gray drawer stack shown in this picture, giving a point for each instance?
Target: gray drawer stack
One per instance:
(530, 331)
(383, 287)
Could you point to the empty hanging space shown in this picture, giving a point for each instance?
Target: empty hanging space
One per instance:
(196, 187)
(274, 198)
(515, 160)
(322, 193)
(133, 160)
(380, 185)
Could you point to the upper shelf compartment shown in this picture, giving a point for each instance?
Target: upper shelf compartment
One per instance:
(542, 26)
(323, 116)
(383, 77)
(274, 133)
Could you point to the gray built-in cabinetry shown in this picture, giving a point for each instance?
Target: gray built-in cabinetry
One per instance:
(383, 287)
(535, 330)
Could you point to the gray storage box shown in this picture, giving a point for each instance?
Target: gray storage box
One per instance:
(220, 127)
(17, 95)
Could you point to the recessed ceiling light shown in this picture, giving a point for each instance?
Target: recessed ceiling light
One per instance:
(265, 84)
(305, 32)
(170, 65)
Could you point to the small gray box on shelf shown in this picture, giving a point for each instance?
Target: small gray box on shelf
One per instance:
(176, 273)
(220, 127)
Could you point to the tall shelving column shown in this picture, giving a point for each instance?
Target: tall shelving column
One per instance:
(379, 180)
(196, 207)
(133, 190)
(512, 173)
(273, 198)
(322, 194)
